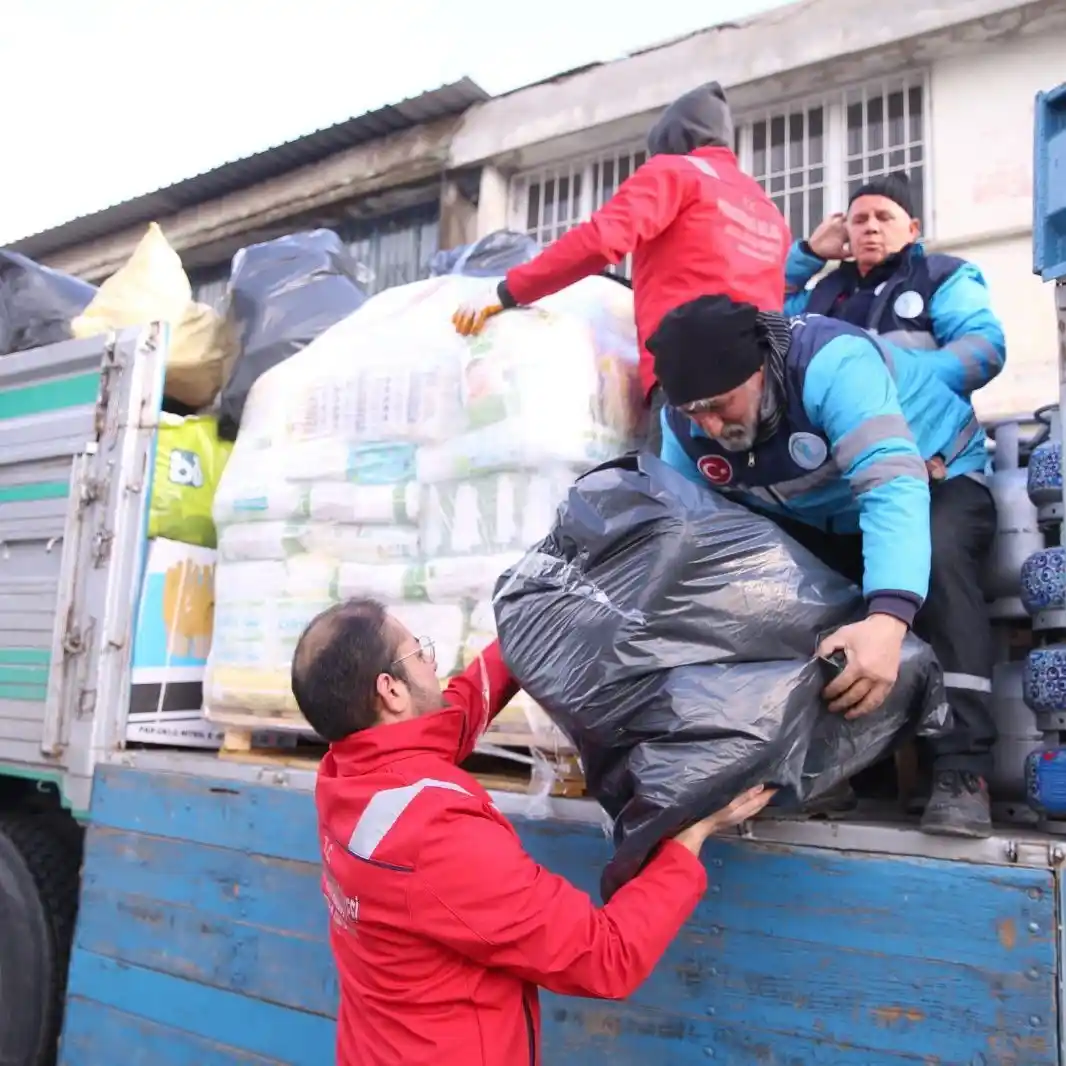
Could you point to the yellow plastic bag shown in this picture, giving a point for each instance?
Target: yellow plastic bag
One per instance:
(202, 351)
(189, 460)
(152, 286)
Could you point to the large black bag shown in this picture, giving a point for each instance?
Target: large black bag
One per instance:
(490, 257)
(670, 634)
(37, 303)
(283, 294)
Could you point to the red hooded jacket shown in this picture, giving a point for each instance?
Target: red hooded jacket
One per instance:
(441, 924)
(695, 224)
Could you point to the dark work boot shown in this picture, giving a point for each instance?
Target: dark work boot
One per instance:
(958, 806)
(838, 800)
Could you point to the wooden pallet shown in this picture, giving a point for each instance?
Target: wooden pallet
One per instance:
(494, 772)
(526, 741)
(301, 758)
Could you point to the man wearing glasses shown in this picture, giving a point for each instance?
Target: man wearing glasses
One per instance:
(442, 926)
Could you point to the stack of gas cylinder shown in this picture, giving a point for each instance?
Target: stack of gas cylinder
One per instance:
(1043, 595)
(1027, 589)
(1019, 538)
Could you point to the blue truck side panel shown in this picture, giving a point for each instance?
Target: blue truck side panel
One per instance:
(202, 942)
(1049, 184)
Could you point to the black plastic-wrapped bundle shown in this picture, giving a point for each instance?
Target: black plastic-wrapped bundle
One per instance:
(670, 634)
(37, 304)
(283, 294)
(490, 257)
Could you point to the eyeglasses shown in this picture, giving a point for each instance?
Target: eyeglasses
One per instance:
(425, 651)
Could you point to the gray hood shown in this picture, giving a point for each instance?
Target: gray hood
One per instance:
(699, 119)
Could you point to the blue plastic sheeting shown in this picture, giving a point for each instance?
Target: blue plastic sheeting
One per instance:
(202, 942)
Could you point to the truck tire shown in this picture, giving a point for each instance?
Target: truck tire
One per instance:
(40, 862)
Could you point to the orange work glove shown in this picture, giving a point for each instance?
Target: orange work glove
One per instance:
(470, 319)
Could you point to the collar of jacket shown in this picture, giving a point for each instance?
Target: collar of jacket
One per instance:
(883, 271)
(712, 152)
(438, 733)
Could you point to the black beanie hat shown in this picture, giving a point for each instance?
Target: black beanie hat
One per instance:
(707, 347)
(895, 187)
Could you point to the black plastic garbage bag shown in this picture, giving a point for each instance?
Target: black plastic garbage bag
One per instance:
(283, 294)
(490, 257)
(37, 304)
(670, 634)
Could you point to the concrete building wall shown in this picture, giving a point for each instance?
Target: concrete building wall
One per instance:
(374, 179)
(982, 110)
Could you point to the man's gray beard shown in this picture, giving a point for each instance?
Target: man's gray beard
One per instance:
(767, 405)
(738, 444)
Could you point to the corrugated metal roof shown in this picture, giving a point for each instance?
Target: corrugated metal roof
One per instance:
(271, 163)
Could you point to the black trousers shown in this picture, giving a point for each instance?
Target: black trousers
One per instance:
(654, 441)
(954, 618)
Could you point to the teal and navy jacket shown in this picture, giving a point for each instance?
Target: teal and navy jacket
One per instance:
(934, 304)
(859, 421)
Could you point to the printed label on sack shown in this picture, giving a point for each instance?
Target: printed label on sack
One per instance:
(185, 469)
(807, 450)
(716, 469)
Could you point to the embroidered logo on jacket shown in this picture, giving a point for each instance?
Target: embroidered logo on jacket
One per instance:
(343, 909)
(909, 304)
(716, 469)
(807, 450)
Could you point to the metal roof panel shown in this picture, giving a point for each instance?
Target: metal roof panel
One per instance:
(262, 166)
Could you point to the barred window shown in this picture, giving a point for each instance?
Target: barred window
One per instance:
(809, 157)
(787, 158)
(886, 132)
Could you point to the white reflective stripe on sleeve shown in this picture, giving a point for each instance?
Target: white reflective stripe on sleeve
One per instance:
(911, 338)
(384, 810)
(702, 164)
(971, 682)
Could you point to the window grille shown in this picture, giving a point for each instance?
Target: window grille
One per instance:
(809, 157)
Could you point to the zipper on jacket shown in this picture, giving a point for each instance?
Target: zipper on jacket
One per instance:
(751, 460)
(529, 1030)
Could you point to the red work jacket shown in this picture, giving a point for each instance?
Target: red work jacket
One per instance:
(695, 224)
(442, 926)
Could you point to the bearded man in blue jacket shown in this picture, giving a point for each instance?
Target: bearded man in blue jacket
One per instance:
(865, 455)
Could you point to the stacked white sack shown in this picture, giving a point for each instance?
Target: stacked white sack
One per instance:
(392, 458)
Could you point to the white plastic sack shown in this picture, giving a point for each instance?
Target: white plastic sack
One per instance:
(393, 458)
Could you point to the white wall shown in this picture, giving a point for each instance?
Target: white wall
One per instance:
(982, 168)
(771, 56)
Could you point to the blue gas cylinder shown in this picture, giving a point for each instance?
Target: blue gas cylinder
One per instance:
(1044, 679)
(1045, 782)
(1043, 587)
(1044, 475)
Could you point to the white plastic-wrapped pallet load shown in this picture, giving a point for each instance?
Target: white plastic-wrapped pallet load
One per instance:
(393, 458)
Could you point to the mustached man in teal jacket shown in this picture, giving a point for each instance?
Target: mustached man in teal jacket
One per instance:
(865, 454)
(887, 283)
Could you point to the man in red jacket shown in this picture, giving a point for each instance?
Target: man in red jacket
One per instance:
(442, 926)
(694, 223)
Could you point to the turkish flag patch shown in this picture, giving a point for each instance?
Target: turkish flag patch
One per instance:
(717, 470)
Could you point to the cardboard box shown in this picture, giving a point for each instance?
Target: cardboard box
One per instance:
(175, 615)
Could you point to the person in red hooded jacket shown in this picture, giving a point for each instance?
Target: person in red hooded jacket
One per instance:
(695, 224)
(441, 925)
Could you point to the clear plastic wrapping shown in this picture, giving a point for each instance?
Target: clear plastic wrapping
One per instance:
(393, 458)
